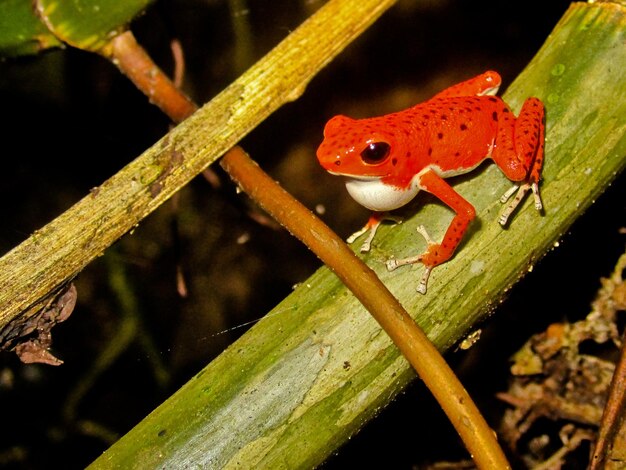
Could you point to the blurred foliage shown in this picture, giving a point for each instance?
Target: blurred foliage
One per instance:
(21, 31)
(29, 27)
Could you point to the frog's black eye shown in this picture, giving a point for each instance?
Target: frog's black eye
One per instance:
(375, 152)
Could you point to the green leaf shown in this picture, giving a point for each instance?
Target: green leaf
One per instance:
(21, 31)
(89, 24)
(309, 375)
(30, 27)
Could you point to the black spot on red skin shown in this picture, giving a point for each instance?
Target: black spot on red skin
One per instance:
(394, 161)
(463, 127)
(444, 117)
(440, 135)
(492, 99)
(337, 162)
(494, 116)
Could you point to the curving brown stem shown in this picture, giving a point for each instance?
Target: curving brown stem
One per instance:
(137, 65)
(614, 415)
(614, 412)
(384, 307)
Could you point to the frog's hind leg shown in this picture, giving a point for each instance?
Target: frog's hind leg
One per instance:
(520, 155)
(486, 83)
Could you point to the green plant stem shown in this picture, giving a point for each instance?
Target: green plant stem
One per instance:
(385, 308)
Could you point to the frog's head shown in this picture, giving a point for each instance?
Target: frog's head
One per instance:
(357, 147)
(365, 152)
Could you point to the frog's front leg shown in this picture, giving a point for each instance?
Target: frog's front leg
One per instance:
(376, 218)
(438, 253)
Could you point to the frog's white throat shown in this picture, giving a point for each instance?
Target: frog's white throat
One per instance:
(372, 193)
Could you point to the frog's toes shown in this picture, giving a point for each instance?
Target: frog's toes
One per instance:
(352, 238)
(422, 231)
(512, 190)
(423, 284)
(521, 192)
(366, 246)
(391, 264)
(367, 243)
(537, 196)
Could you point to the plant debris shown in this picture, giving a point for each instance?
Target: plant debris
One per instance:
(559, 390)
(31, 336)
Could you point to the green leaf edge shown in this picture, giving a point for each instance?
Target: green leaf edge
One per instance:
(86, 24)
(22, 32)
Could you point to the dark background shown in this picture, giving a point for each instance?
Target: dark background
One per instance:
(72, 121)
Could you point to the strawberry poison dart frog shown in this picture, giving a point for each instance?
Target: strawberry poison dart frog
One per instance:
(387, 160)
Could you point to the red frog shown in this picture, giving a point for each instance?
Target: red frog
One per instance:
(387, 160)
